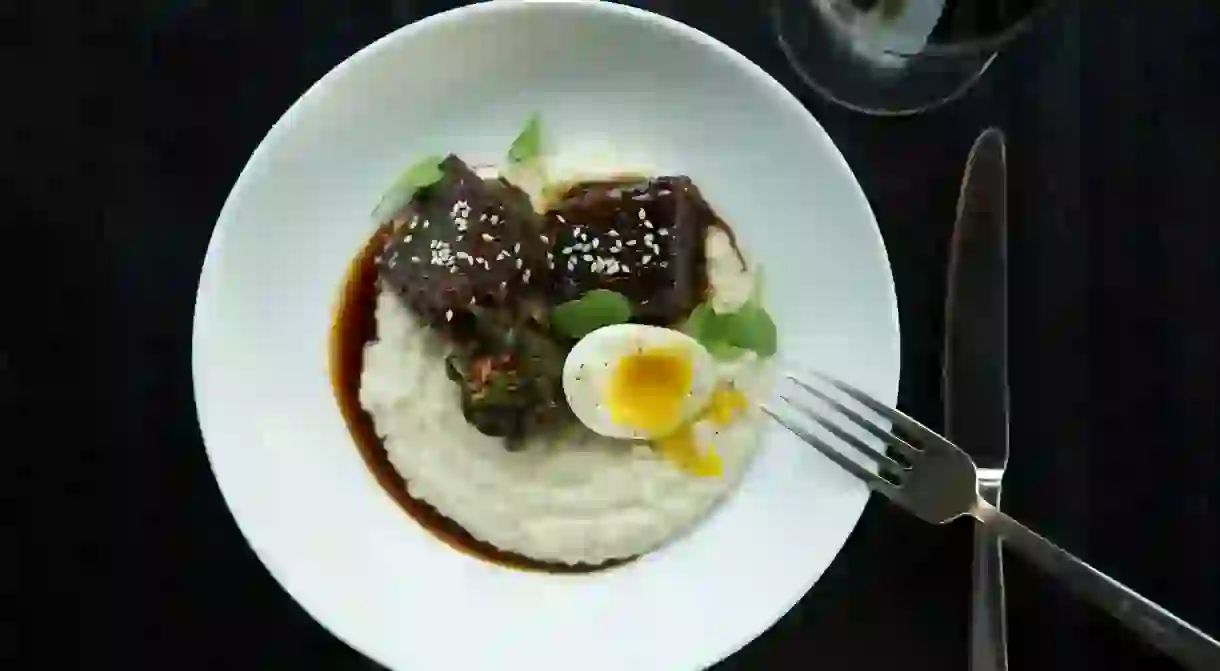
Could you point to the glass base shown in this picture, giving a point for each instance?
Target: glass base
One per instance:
(850, 59)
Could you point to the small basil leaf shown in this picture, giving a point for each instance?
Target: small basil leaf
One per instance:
(705, 325)
(753, 329)
(596, 309)
(528, 145)
(722, 351)
(423, 174)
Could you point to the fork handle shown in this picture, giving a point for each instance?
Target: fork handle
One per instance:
(1173, 636)
(988, 631)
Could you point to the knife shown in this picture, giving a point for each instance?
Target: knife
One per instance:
(975, 380)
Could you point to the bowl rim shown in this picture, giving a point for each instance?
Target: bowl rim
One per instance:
(210, 270)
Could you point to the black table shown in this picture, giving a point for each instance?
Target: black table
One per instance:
(134, 123)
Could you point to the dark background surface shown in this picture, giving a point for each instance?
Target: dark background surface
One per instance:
(133, 121)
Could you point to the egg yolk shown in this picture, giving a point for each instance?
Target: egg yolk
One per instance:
(680, 447)
(647, 390)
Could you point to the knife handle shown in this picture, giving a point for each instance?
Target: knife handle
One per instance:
(988, 628)
(1191, 647)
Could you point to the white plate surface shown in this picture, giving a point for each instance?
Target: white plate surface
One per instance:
(617, 87)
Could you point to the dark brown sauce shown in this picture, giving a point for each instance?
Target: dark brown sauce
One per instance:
(355, 325)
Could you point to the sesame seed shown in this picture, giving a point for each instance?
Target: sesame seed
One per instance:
(448, 315)
(495, 220)
(647, 224)
(414, 259)
(561, 219)
(626, 268)
(525, 277)
(470, 260)
(519, 264)
(503, 286)
(646, 259)
(487, 237)
(483, 217)
(595, 243)
(665, 264)
(613, 233)
(566, 250)
(587, 257)
(643, 215)
(517, 248)
(452, 269)
(648, 238)
(545, 240)
(663, 231)
(631, 243)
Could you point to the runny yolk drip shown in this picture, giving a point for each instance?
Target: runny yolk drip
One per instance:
(647, 390)
(680, 447)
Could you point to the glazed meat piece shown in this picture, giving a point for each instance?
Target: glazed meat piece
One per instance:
(641, 238)
(465, 241)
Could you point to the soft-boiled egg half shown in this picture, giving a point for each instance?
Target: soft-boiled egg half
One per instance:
(645, 382)
(637, 381)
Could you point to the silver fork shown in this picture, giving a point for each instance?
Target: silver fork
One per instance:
(935, 480)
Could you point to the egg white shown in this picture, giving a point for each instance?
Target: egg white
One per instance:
(590, 366)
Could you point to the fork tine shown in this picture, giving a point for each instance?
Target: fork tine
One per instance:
(891, 466)
(919, 431)
(871, 479)
(903, 447)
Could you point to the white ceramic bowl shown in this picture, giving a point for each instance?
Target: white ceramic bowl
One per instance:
(615, 85)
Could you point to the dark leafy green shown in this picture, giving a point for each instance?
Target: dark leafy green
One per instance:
(511, 377)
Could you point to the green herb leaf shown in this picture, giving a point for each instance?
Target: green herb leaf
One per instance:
(423, 174)
(753, 329)
(726, 336)
(704, 325)
(722, 351)
(598, 308)
(527, 148)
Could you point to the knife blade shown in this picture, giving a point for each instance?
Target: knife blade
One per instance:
(975, 376)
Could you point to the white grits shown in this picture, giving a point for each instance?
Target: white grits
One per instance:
(583, 499)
